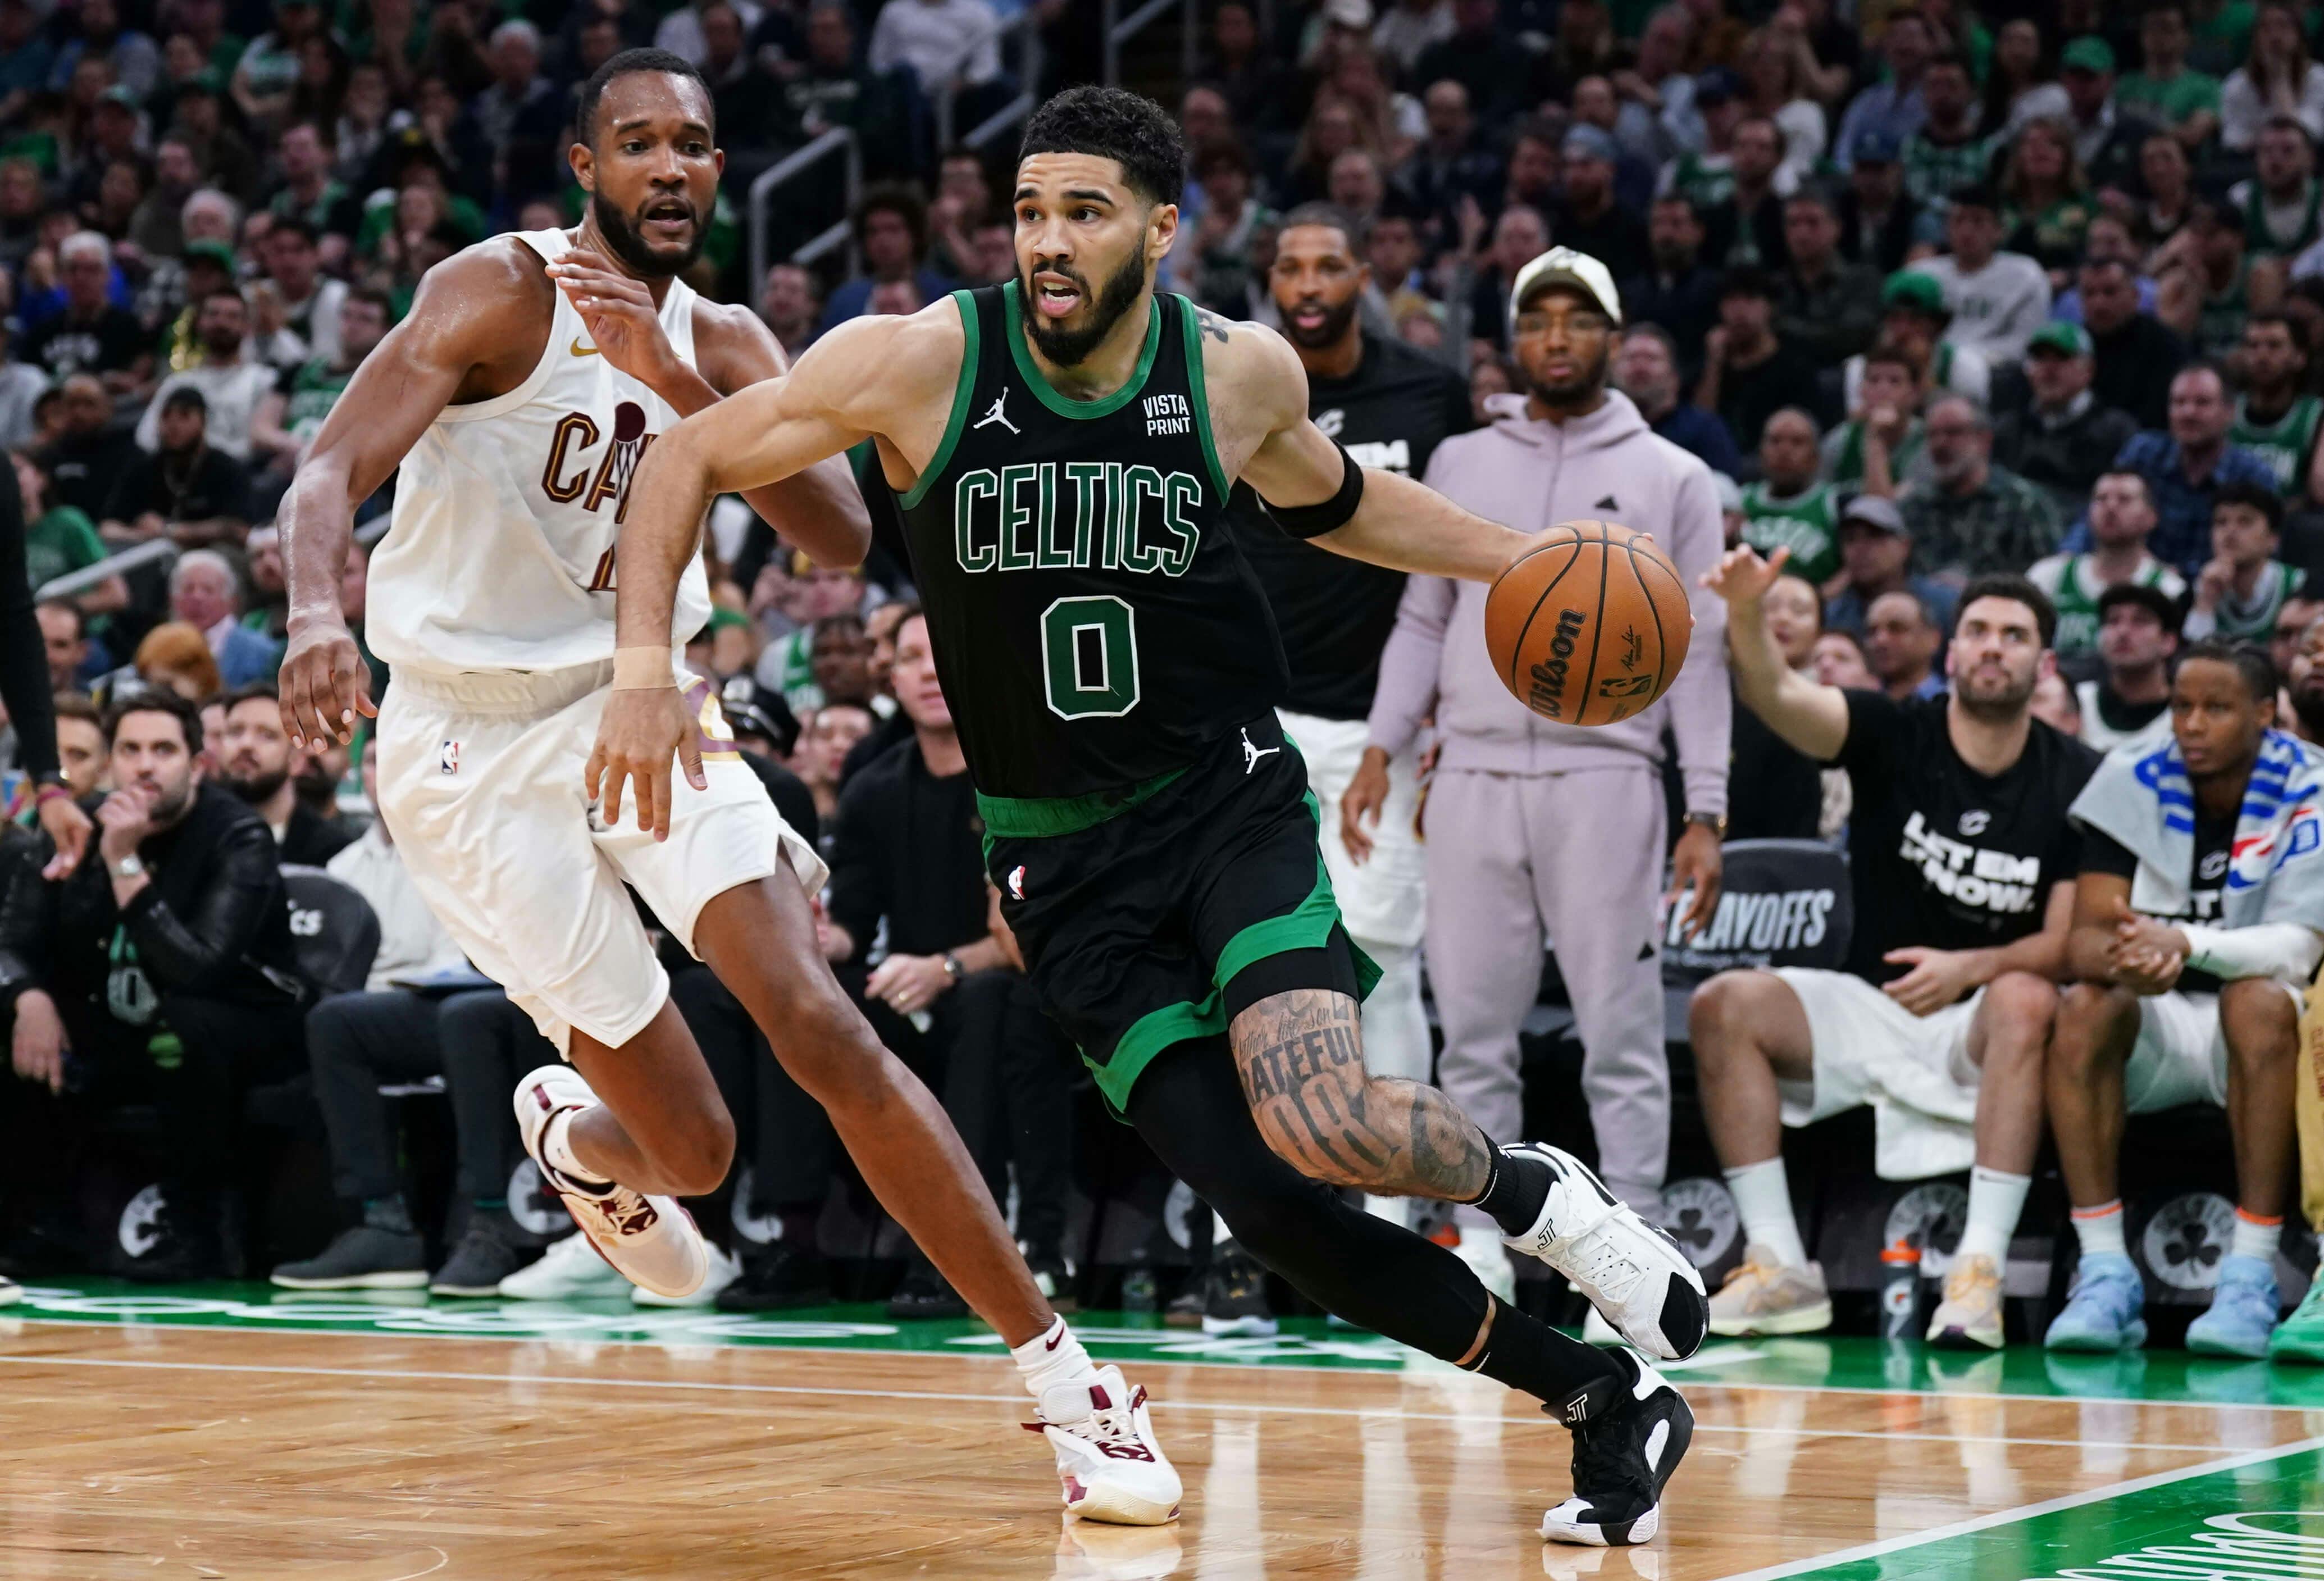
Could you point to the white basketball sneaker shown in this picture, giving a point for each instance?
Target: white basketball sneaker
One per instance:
(651, 1241)
(1108, 1458)
(1633, 1273)
(570, 1267)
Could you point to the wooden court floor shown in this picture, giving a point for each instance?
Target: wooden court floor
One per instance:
(147, 1449)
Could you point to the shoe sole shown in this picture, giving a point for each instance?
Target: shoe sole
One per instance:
(1117, 1506)
(571, 1292)
(1242, 1327)
(1629, 1534)
(2204, 1345)
(2309, 1352)
(1964, 1339)
(2131, 1338)
(773, 1303)
(1802, 1320)
(396, 1279)
(472, 1292)
(633, 1280)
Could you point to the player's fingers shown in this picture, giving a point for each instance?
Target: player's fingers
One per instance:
(660, 782)
(593, 770)
(617, 770)
(690, 754)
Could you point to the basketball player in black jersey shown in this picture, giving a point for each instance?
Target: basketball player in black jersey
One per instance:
(1062, 449)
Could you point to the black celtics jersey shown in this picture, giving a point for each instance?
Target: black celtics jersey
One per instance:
(1094, 623)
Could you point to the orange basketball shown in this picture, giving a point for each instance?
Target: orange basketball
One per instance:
(1589, 624)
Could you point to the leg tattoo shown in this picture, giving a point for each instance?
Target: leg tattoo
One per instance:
(1302, 1061)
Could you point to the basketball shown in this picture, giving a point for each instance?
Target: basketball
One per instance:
(1589, 624)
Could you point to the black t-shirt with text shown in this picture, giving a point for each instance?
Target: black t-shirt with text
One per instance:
(108, 344)
(1941, 856)
(2215, 839)
(202, 487)
(1334, 612)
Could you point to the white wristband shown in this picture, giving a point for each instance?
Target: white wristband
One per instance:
(642, 669)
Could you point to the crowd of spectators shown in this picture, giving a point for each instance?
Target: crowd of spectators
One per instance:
(1940, 294)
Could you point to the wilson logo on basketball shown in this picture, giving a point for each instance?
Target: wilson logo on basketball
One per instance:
(1549, 675)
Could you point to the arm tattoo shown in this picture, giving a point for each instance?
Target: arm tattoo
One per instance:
(1211, 324)
(1302, 1062)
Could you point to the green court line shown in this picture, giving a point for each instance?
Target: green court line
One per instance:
(2055, 1536)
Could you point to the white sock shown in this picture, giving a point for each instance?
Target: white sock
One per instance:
(2257, 1237)
(1763, 1196)
(1219, 1234)
(2100, 1230)
(1052, 1357)
(557, 1151)
(1994, 1201)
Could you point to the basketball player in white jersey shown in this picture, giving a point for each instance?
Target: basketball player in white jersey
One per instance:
(533, 371)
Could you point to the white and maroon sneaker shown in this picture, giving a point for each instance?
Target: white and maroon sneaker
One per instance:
(650, 1241)
(1108, 1458)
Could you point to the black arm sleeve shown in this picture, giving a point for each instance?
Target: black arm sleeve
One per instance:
(183, 954)
(24, 656)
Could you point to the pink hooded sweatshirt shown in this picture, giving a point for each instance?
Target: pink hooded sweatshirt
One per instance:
(1528, 474)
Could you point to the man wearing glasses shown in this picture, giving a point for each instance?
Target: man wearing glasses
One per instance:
(1541, 833)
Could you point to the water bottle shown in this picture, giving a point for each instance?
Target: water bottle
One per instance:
(1139, 1291)
(1900, 1290)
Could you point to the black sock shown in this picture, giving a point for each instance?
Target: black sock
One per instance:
(1528, 1354)
(1515, 1190)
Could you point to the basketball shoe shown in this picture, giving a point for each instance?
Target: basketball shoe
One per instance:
(1630, 1271)
(1107, 1458)
(1629, 1435)
(569, 1268)
(1970, 1314)
(651, 1241)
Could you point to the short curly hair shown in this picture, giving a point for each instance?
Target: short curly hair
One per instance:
(1113, 123)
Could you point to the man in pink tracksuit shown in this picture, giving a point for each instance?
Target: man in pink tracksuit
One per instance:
(1534, 827)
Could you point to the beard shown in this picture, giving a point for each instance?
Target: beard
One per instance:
(1328, 333)
(1577, 390)
(258, 787)
(629, 243)
(1067, 348)
(1994, 702)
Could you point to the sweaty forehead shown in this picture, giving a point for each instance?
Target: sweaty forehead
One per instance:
(662, 100)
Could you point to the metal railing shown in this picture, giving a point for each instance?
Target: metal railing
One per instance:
(1119, 30)
(839, 140)
(1030, 59)
(73, 583)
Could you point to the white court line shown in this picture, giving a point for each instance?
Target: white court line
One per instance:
(397, 1375)
(2097, 1495)
(1700, 1361)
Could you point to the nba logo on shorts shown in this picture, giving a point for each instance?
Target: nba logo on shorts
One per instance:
(1017, 882)
(449, 759)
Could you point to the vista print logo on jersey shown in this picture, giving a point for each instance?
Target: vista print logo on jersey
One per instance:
(1971, 876)
(1074, 515)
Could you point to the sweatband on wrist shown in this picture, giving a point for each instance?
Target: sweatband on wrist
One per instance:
(1324, 516)
(642, 669)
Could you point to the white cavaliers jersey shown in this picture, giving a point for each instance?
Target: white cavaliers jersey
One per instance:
(500, 554)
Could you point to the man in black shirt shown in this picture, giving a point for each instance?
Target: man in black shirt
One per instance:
(909, 933)
(2133, 356)
(1388, 406)
(1962, 862)
(191, 491)
(1748, 373)
(254, 761)
(165, 966)
(2198, 915)
(87, 458)
(91, 335)
(1676, 290)
(1587, 217)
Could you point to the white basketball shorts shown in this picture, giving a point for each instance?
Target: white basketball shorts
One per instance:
(1913, 1070)
(2182, 1053)
(480, 782)
(1384, 901)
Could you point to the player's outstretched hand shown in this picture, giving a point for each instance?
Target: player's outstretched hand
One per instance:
(1741, 577)
(323, 686)
(624, 323)
(639, 733)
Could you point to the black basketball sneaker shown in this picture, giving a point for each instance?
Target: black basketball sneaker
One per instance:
(1628, 1436)
(1234, 1296)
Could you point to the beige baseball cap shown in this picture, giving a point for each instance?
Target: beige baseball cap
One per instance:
(1565, 267)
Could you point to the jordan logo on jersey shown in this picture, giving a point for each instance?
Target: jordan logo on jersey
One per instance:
(1000, 414)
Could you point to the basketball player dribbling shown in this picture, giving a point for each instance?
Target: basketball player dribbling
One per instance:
(1062, 449)
(533, 372)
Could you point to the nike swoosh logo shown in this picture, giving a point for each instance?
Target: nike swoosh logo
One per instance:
(581, 350)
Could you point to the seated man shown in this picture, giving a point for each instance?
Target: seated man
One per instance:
(2243, 587)
(1962, 859)
(256, 762)
(390, 1033)
(2198, 915)
(165, 964)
